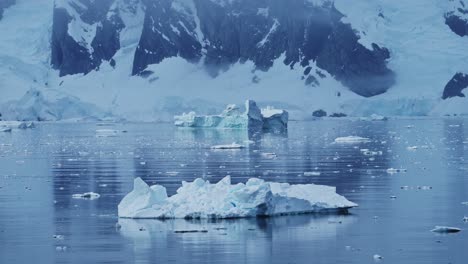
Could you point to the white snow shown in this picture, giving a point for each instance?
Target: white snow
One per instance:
(446, 229)
(201, 199)
(351, 140)
(273, 29)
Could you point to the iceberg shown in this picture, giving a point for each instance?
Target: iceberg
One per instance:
(257, 198)
(232, 117)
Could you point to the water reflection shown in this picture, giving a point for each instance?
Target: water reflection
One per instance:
(40, 169)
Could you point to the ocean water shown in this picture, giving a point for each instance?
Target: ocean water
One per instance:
(41, 168)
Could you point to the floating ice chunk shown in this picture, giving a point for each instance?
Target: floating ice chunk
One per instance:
(312, 173)
(465, 219)
(232, 117)
(393, 170)
(88, 196)
(269, 155)
(377, 257)
(412, 148)
(106, 133)
(351, 140)
(375, 117)
(465, 203)
(229, 146)
(445, 229)
(26, 125)
(201, 199)
(5, 129)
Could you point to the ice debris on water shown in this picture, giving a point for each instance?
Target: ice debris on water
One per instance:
(351, 140)
(445, 229)
(229, 146)
(393, 170)
(465, 219)
(201, 199)
(88, 196)
(312, 173)
(253, 118)
(377, 257)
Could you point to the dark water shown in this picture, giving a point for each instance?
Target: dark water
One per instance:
(41, 168)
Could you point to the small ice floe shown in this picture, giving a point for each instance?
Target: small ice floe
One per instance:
(26, 125)
(375, 117)
(269, 155)
(367, 152)
(412, 148)
(393, 170)
(83, 153)
(425, 188)
(190, 231)
(465, 219)
(106, 133)
(312, 173)
(256, 198)
(465, 203)
(5, 129)
(377, 257)
(351, 140)
(87, 196)
(61, 248)
(230, 146)
(59, 237)
(172, 173)
(445, 229)
(393, 197)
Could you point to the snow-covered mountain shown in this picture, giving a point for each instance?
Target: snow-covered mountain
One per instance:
(151, 59)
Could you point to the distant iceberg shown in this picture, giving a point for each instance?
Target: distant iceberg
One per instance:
(256, 198)
(232, 117)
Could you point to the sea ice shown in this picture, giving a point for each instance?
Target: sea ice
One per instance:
(232, 117)
(201, 199)
(351, 140)
(446, 229)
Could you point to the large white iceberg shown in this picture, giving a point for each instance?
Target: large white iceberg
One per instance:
(256, 198)
(233, 117)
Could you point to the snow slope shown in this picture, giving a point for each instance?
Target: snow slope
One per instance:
(425, 54)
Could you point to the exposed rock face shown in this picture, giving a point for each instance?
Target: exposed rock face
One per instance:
(84, 33)
(455, 86)
(5, 4)
(220, 33)
(457, 18)
(226, 32)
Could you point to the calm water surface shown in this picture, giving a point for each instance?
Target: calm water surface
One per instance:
(40, 170)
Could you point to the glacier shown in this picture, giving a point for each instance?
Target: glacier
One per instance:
(256, 198)
(253, 118)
